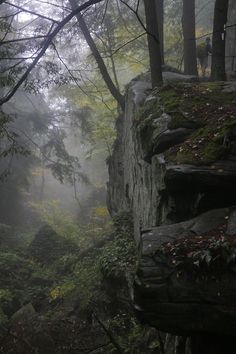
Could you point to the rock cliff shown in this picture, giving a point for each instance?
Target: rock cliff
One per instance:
(174, 167)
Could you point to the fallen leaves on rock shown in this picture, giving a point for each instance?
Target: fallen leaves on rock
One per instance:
(213, 252)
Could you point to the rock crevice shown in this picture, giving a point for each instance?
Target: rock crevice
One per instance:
(173, 169)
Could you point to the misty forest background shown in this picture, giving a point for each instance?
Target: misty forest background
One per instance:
(66, 267)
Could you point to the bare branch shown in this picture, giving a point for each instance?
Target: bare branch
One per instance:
(105, 12)
(45, 46)
(127, 43)
(99, 60)
(12, 66)
(68, 69)
(211, 33)
(11, 15)
(21, 40)
(135, 12)
(32, 12)
(27, 24)
(17, 58)
(58, 6)
(8, 30)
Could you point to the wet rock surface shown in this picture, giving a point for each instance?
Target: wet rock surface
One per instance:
(188, 297)
(176, 162)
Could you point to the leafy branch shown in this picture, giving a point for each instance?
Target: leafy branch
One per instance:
(51, 35)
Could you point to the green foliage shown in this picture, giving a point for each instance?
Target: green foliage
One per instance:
(212, 254)
(118, 259)
(173, 33)
(11, 144)
(95, 117)
(64, 166)
(51, 213)
(3, 318)
(18, 275)
(138, 338)
(94, 279)
(62, 290)
(13, 265)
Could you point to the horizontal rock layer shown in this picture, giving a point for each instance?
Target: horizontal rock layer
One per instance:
(178, 301)
(170, 200)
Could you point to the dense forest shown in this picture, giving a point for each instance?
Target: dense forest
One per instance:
(117, 176)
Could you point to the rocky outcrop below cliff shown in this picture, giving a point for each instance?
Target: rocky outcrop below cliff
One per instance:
(174, 168)
(186, 276)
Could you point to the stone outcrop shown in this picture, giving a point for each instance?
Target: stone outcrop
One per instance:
(47, 246)
(189, 296)
(144, 179)
(174, 167)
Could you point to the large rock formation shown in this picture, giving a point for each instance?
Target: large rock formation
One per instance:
(186, 275)
(174, 168)
(47, 246)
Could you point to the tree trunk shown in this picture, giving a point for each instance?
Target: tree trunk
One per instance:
(153, 42)
(218, 40)
(190, 53)
(97, 56)
(160, 20)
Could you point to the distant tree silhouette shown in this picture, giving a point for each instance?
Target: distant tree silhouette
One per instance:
(188, 22)
(219, 40)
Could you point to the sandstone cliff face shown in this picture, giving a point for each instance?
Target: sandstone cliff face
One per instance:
(174, 168)
(166, 167)
(135, 184)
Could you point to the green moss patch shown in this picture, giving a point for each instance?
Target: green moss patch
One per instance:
(203, 107)
(206, 145)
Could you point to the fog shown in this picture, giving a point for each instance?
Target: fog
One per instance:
(32, 123)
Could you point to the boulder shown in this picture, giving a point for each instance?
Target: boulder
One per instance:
(47, 246)
(24, 314)
(185, 299)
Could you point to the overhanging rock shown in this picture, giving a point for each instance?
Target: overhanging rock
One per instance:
(184, 301)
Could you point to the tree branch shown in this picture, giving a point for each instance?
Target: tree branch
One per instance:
(45, 46)
(32, 12)
(135, 12)
(63, 8)
(127, 43)
(100, 62)
(21, 40)
(8, 29)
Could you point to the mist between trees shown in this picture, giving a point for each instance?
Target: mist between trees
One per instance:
(64, 69)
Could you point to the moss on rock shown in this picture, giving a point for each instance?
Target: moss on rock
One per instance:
(205, 107)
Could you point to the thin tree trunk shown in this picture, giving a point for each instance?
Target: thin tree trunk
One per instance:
(97, 56)
(113, 62)
(160, 20)
(153, 42)
(190, 53)
(218, 40)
